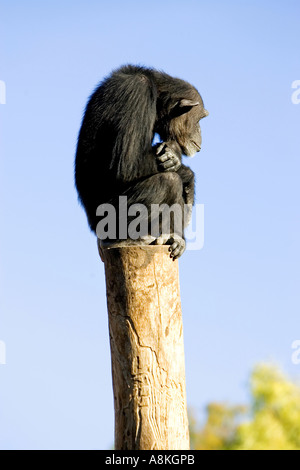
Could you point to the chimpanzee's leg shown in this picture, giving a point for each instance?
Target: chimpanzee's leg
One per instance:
(188, 180)
(157, 190)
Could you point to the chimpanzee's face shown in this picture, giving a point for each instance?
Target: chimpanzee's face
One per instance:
(185, 129)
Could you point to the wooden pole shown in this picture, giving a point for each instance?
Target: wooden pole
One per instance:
(146, 340)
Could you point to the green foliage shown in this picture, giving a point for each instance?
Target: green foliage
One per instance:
(273, 417)
(219, 431)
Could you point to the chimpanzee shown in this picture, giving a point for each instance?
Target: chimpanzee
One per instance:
(115, 152)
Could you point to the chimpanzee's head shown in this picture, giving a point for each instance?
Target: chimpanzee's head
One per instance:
(179, 117)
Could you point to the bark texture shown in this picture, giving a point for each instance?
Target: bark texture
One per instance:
(147, 354)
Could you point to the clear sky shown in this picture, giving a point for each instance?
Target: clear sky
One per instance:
(240, 293)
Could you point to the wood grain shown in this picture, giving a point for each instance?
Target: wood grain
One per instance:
(147, 353)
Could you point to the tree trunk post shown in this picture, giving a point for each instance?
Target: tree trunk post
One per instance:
(147, 353)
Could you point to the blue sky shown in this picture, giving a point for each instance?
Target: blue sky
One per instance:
(240, 293)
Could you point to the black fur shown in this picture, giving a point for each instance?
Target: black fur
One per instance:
(115, 155)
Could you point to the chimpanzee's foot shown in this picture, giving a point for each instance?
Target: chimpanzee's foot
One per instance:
(177, 244)
(177, 247)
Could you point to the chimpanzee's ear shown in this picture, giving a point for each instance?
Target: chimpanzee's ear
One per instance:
(185, 103)
(182, 106)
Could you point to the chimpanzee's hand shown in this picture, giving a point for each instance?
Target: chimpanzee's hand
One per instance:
(167, 157)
